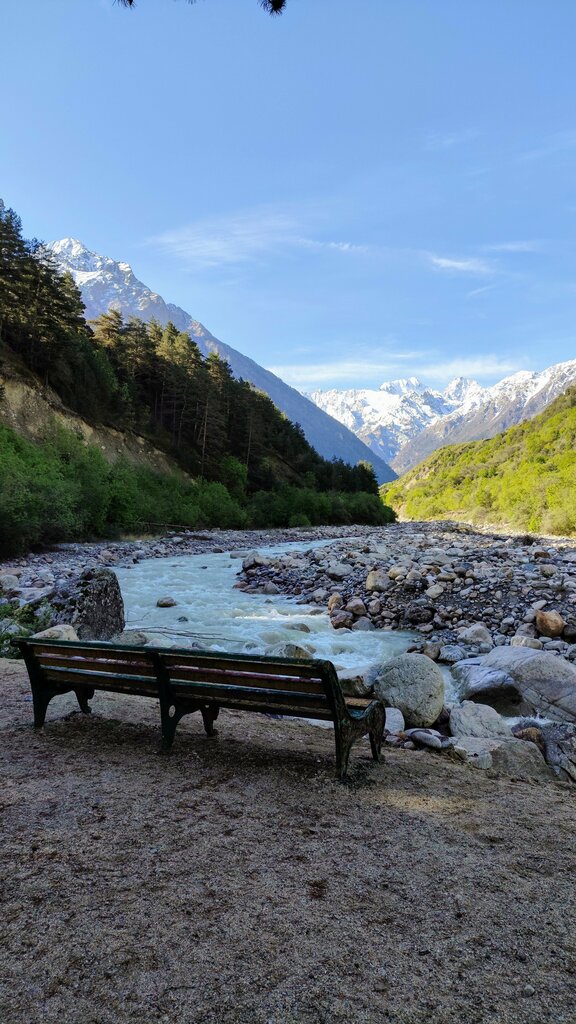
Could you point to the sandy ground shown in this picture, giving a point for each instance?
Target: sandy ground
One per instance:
(235, 882)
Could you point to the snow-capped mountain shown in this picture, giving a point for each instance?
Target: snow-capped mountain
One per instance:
(404, 421)
(510, 401)
(106, 284)
(387, 419)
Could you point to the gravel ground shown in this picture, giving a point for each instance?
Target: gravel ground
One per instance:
(235, 882)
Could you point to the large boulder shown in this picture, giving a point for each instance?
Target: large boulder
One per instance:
(415, 685)
(470, 719)
(92, 603)
(510, 757)
(521, 681)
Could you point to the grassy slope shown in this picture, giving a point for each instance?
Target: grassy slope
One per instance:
(524, 478)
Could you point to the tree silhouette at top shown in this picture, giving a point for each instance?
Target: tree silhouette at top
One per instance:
(270, 6)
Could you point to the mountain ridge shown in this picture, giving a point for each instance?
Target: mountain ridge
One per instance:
(404, 421)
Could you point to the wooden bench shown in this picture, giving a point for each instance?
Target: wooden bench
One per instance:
(185, 681)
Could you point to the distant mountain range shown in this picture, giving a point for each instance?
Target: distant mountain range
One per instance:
(106, 284)
(403, 421)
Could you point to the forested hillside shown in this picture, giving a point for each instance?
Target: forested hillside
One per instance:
(154, 381)
(524, 478)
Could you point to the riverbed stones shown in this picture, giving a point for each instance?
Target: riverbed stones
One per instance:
(415, 685)
(549, 623)
(166, 602)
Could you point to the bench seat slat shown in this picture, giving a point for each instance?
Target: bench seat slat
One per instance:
(244, 663)
(101, 680)
(232, 676)
(117, 665)
(181, 689)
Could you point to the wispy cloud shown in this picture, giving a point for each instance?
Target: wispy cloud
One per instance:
(466, 265)
(480, 291)
(367, 373)
(447, 140)
(243, 237)
(552, 145)
(481, 366)
(350, 372)
(519, 246)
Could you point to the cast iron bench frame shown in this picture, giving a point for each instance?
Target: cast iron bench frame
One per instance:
(185, 681)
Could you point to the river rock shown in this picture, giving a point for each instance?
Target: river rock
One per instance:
(92, 603)
(363, 624)
(300, 652)
(8, 582)
(376, 580)
(357, 682)
(415, 685)
(451, 653)
(394, 720)
(521, 680)
(63, 631)
(338, 571)
(549, 624)
(253, 560)
(477, 633)
(480, 720)
(166, 602)
(341, 620)
(335, 601)
(356, 606)
(520, 640)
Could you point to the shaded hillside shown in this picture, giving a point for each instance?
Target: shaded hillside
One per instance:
(245, 461)
(106, 284)
(524, 478)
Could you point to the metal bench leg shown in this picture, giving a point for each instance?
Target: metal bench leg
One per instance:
(377, 732)
(41, 697)
(344, 739)
(83, 696)
(209, 716)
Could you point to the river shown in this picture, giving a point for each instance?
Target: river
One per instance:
(212, 613)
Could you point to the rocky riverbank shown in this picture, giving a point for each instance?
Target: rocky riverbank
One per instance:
(464, 592)
(498, 615)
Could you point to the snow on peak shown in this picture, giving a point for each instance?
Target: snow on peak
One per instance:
(402, 386)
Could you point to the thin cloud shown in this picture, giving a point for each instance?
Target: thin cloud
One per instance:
(364, 372)
(447, 140)
(483, 366)
(242, 238)
(560, 142)
(520, 246)
(480, 291)
(468, 265)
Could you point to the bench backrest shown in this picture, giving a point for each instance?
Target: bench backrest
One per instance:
(248, 680)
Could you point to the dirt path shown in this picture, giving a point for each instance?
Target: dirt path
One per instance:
(236, 883)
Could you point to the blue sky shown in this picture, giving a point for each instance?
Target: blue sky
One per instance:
(355, 191)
